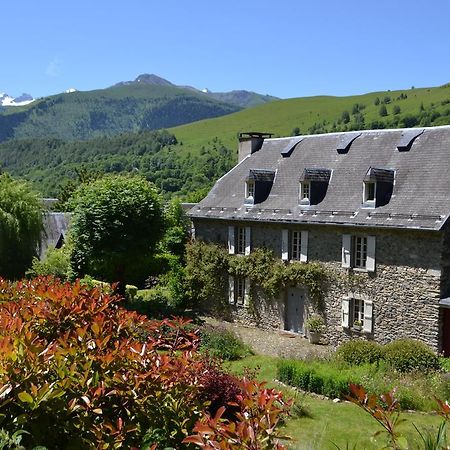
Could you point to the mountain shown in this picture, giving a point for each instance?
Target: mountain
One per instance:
(22, 100)
(188, 159)
(125, 107)
(240, 98)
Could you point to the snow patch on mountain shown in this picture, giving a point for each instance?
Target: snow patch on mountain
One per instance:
(22, 100)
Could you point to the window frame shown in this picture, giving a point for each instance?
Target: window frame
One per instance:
(295, 245)
(360, 256)
(238, 291)
(240, 240)
(305, 187)
(356, 307)
(367, 187)
(250, 189)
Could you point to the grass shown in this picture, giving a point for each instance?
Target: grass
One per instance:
(281, 117)
(326, 422)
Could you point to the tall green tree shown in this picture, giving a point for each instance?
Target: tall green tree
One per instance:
(117, 222)
(20, 226)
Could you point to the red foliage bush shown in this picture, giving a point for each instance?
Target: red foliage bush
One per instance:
(254, 427)
(79, 371)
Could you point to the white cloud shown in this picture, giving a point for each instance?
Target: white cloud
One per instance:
(54, 68)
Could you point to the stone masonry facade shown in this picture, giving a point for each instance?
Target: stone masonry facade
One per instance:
(409, 279)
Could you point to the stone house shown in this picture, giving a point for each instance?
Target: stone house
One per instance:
(371, 206)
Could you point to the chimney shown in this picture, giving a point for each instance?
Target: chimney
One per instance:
(250, 142)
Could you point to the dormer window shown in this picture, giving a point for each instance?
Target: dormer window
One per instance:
(313, 186)
(369, 189)
(258, 185)
(378, 185)
(305, 190)
(250, 194)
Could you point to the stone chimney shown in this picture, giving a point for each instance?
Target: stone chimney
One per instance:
(250, 142)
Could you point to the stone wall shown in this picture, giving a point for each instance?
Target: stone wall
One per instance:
(405, 287)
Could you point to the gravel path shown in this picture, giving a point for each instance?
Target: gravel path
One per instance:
(282, 344)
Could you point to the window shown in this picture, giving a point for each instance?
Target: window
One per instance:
(296, 242)
(378, 185)
(358, 252)
(369, 189)
(250, 189)
(238, 291)
(294, 245)
(239, 240)
(313, 186)
(357, 313)
(305, 189)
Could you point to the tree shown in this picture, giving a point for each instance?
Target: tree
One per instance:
(396, 109)
(117, 222)
(383, 111)
(345, 117)
(20, 226)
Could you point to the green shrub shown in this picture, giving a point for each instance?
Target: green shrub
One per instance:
(218, 342)
(152, 302)
(407, 355)
(323, 378)
(358, 352)
(130, 292)
(55, 263)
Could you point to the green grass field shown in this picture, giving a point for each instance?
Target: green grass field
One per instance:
(327, 423)
(281, 117)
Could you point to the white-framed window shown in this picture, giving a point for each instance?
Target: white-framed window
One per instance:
(357, 313)
(238, 291)
(294, 245)
(305, 192)
(239, 240)
(250, 189)
(369, 196)
(358, 251)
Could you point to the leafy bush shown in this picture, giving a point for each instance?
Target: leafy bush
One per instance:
(357, 352)
(154, 303)
(55, 263)
(255, 425)
(218, 342)
(77, 369)
(406, 355)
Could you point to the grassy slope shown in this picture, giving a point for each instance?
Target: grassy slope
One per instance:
(281, 117)
(329, 422)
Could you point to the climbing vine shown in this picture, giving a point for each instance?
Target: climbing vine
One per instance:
(208, 267)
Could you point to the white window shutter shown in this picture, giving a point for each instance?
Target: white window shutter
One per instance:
(345, 312)
(247, 293)
(284, 245)
(368, 316)
(247, 240)
(304, 247)
(231, 240)
(370, 261)
(231, 289)
(346, 250)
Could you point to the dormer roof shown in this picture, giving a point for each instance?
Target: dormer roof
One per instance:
(420, 176)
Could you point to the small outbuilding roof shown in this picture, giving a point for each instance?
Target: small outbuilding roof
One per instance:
(56, 225)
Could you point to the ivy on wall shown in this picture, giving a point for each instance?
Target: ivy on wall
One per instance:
(208, 267)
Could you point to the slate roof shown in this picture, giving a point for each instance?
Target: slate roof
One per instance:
(56, 225)
(421, 193)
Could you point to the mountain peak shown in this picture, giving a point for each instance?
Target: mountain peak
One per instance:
(151, 78)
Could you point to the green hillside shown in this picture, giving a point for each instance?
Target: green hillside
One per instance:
(108, 112)
(418, 107)
(187, 159)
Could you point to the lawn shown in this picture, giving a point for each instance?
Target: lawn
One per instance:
(326, 423)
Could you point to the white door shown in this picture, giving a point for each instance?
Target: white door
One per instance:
(295, 309)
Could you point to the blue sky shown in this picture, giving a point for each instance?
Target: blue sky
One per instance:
(285, 48)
